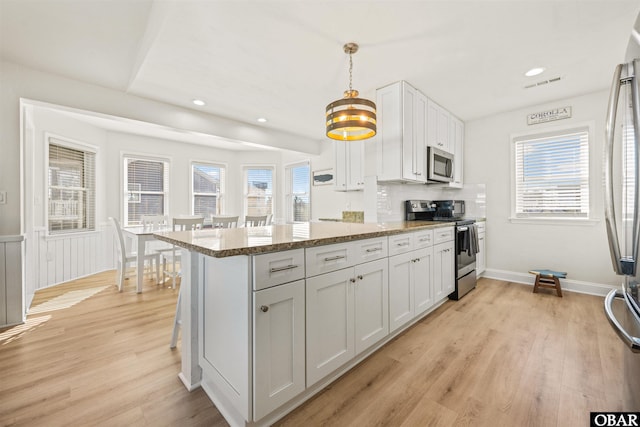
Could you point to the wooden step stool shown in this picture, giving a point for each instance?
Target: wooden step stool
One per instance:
(548, 279)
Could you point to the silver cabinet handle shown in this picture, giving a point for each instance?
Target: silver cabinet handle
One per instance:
(352, 280)
(609, 209)
(360, 277)
(333, 258)
(425, 239)
(374, 250)
(402, 244)
(287, 267)
(632, 342)
(264, 308)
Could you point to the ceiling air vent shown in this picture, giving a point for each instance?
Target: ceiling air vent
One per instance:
(543, 82)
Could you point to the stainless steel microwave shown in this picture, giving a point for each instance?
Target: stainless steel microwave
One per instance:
(439, 165)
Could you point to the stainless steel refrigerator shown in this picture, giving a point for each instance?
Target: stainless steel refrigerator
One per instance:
(622, 212)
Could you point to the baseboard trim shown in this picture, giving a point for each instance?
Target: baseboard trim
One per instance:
(187, 384)
(570, 285)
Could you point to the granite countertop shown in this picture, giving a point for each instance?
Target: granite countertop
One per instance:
(224, 242)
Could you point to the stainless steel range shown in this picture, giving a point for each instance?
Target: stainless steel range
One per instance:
(466, 239)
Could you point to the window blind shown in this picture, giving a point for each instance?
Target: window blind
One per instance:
(552, 176)
(208, 188)
(71, 189)
(299, 197)
(146, 188)
(258, 191)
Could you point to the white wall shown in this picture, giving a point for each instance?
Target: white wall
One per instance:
(580, 250)
(22, 82)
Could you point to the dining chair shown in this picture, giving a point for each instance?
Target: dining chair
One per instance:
(173, 255)
(154, 220)
(255, 220)
(125, 257)
(224, 221)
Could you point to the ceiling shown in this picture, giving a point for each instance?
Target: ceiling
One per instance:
(283, 60)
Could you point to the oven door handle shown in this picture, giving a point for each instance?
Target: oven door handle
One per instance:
(632, 342)
(462, 229)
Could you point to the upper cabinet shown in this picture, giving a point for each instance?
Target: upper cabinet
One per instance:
(438, 123)
(408, 122)
(456, 138)
(349, 165)
(402, 133)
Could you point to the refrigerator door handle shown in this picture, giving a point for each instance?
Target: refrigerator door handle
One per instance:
(635, 99)
(632, 342)
(609, 210)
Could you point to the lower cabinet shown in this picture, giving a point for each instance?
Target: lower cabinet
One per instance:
(410, 286)
(444, 276)
(481, 261)
(279, 346)
(346, 313)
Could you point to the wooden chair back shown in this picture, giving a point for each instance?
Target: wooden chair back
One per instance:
(224, 221)
(190, 223)
(154, 220)
(255, 220)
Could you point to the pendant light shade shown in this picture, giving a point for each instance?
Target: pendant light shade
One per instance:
(351, 118)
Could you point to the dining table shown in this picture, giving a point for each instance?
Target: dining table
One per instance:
(141, 234)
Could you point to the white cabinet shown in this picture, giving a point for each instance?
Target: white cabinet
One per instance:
(443, 270)
(410, 277)
(402, 133)
(481, 263)
(438, 122)
(277, 267)
(349, 165)
(279, 346)
(456, 137)
(347, 312)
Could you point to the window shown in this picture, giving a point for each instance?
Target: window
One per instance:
(208, 182)
(258, 193)
(146, 187)
(71, 188)
(298, 199)
(552, 175)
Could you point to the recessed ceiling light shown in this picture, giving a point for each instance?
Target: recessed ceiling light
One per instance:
(535, 71)
(199, 102)
(262, 120)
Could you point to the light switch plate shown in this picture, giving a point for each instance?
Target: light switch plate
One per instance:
(3, 197)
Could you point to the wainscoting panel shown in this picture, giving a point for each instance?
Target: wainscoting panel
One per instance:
(61, 258)
(11, 295)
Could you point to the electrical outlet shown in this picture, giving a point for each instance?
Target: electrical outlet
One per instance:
(3, 197)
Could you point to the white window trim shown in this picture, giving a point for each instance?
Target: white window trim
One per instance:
(289, 189)
(75, 145)
(274, 202)
(123, 172)
(222, 193)
(592, 219)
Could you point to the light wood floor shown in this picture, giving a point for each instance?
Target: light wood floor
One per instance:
(502, 356)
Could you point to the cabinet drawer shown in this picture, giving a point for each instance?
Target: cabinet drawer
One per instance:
(400, 243)
(422, 239)
(323, 259)
(481, 226)
(370, 249)
(441, 235)
(278, 267)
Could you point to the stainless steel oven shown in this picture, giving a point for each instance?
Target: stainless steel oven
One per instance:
(466, 237)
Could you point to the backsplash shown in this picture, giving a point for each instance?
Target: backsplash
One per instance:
(391, 197)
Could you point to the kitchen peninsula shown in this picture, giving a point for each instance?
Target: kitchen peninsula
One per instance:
(271, 315)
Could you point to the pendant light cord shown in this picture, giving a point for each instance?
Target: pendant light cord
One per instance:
(350, 72)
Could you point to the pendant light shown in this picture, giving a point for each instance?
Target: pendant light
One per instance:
(351, 118)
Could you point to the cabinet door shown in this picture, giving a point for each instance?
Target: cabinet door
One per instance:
(330, 322)
(481, 263)
(371, 303)
(340, 162)
(355, 165)
(279, 346)
(420, 140)
(423, 280)
(401, 300)
(409, 132)
(457, 148)
(443, 270)
(438, 127)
